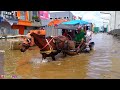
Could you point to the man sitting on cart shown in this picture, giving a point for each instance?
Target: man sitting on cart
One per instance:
(80, 37)
(66, 33)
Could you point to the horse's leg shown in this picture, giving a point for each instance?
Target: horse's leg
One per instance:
(65, 48)
(53, 57)
(64, 54)
(43, 56)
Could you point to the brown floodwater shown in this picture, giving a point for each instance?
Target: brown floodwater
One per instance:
(102, 63)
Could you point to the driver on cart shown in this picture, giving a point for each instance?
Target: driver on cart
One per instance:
(80, 36)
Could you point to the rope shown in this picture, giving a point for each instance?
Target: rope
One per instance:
(47, 43)
(51, 48)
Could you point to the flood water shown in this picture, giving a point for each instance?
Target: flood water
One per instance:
(102, 63)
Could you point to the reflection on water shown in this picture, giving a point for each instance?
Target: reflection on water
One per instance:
(102, 62)
(99, 64)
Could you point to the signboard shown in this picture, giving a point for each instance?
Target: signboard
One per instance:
(44, 14)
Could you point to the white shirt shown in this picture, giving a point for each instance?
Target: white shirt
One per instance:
(89, 33)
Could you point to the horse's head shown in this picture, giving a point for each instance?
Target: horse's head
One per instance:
(27, 42)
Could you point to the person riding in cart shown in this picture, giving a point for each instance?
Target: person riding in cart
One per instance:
(80, 38)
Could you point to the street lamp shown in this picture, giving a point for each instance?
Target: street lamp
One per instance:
(69, 14)
(115, 20)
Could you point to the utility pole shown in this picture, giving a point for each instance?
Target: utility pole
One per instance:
(115, 20)
(69, 15)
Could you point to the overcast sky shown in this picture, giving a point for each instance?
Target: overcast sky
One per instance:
(91, 16)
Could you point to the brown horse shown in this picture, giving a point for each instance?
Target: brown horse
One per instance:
(49, 46)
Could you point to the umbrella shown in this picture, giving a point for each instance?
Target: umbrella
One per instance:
(56, 22)
(74, 22)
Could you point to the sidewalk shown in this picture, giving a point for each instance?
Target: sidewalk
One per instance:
(115, 32)
(11, 36)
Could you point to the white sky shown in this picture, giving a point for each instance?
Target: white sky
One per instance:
(91, 16)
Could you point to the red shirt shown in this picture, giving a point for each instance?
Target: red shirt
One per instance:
(65, 34)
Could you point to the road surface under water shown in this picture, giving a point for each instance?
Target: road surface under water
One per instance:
(102, 63)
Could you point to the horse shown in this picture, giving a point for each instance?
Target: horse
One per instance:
(49, 46)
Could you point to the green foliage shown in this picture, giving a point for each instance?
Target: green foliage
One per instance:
(35, 17)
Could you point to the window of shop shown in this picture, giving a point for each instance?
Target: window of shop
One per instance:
(22, 15)
(35, 13)
(9, 14)
(64, 17)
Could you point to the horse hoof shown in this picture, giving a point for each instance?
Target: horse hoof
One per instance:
(44, 61)
(48, 60)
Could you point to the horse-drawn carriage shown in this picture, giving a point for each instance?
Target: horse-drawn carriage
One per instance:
(67, 44)
(80, 33)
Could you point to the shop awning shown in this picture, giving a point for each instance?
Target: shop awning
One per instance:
(74, 22)
(56, 22)
(10, 21)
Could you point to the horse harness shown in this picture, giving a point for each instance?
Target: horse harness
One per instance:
(48, 44)
(51, 48)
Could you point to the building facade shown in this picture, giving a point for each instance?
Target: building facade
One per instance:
(18, 22)
(117, 19)
(28, 20)
(56, 15)
(51, 31)
(114, 21)
(63, 15)
(7, 18)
